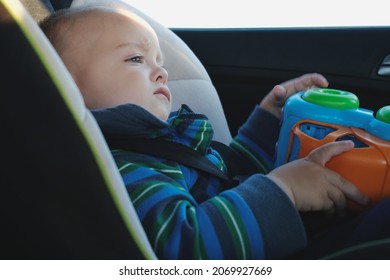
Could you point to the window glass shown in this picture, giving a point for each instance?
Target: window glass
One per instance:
(272, 13)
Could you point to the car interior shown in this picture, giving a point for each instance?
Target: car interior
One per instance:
(62, 195)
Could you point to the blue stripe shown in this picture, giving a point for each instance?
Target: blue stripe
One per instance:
(249, 220)
(165, 193)
(209, 236)
(140, 173)
(174, 240)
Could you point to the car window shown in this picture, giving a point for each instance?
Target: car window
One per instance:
(275, 13)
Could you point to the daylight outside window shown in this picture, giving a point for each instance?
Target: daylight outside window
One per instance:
(273, 13)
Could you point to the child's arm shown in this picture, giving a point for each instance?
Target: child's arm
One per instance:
(254, 220)
(256, 138)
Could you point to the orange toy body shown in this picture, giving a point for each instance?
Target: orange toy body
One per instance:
(367, 165)
(315, 117)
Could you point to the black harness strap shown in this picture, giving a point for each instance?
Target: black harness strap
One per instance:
(172, 151)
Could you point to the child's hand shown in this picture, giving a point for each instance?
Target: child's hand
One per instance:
(274, 101)
(313, 187)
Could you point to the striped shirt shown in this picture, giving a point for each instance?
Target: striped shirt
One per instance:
(253, 220)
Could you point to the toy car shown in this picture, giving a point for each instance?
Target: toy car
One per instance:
(318, 116)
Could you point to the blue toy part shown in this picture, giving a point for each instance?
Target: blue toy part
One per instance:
(300, 107)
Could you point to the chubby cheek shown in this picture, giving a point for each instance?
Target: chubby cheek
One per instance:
(106, 93)
(94, 90)
(128, 88)
(96, 97)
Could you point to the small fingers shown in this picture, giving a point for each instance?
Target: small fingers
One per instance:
(314, 79)
(279, 93)
(343, 188)
(324, 153)
(348, 189)
(338, 199)
(305, 82)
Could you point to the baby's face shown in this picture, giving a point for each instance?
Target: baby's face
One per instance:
(116, 59)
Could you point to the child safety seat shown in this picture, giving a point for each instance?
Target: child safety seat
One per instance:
(62, 196)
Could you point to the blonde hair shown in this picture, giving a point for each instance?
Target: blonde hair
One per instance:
(58, 25)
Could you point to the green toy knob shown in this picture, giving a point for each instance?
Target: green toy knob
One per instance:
(332, 98)
(383, 114)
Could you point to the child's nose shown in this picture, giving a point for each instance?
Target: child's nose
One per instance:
(161, 75)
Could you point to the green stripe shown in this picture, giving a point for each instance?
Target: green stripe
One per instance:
(200, 137)
(142, 193)
(249, 153)
(235, 225)
(173, 172)
(163, 227)
(199, 250)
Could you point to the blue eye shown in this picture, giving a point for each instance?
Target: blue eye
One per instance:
(136, 59)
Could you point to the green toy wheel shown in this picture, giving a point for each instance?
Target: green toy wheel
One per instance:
(332, 98)
(383, 114)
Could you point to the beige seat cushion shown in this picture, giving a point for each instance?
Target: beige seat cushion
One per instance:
(188, 79)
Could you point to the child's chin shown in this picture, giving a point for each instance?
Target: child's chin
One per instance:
(163, 115)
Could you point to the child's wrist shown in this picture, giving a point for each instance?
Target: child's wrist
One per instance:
(286, 189)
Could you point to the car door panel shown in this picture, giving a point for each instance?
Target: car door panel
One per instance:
(245, 64)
